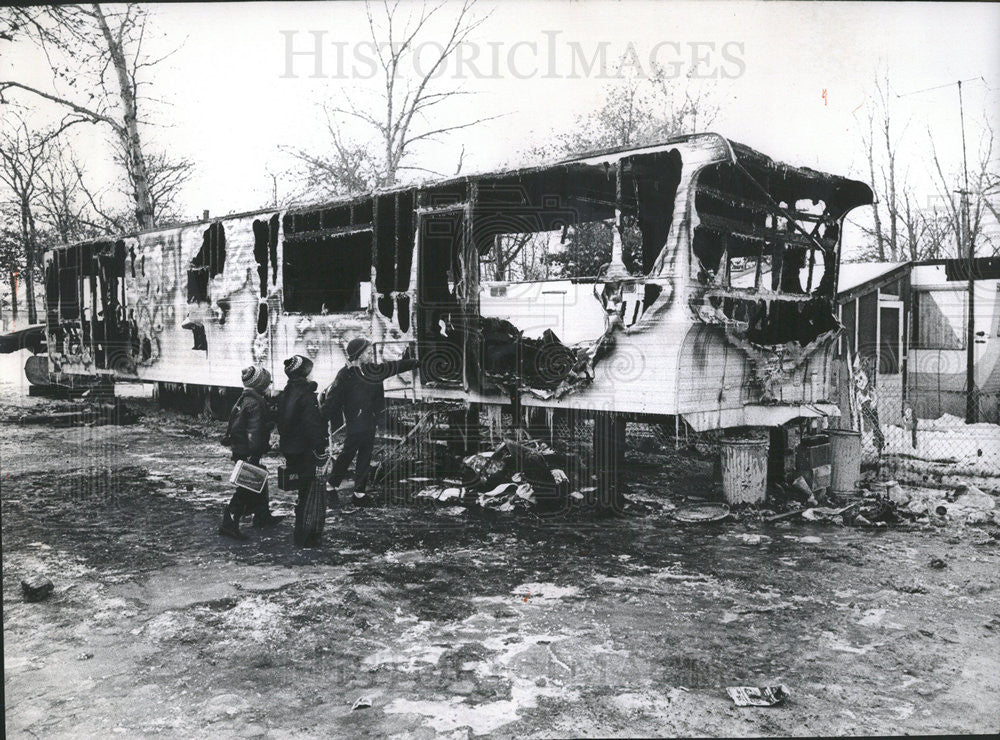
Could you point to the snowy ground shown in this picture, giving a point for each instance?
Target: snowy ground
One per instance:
(469, 624)
(948, 452)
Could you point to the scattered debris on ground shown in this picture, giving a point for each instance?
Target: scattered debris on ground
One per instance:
(451, 617)
(363, 702)
(752, 696)
(36, 588)
(696, 513)
(75, 414)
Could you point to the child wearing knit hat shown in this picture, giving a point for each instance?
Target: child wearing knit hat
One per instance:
(249, 433)
(303, 440)
(298, 366)
(257, 378)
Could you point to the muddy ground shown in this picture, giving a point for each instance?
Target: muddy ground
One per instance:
(467, 625)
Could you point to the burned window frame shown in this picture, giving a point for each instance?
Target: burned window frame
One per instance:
(317, 229)
(209, 262)
(738, 218)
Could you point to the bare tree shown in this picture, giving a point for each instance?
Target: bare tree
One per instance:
(11, 253)
(347, 168)
(97, 60)
(409, 98)
(519, 257)
(870, 153)
(62, 205)
(37, 22)
(165, 176)
(984, 185)
(902, 228)
(881, 144)
(24, 154)
(636, 111)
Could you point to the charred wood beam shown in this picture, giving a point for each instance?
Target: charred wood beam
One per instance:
(759, 206)
(327, 233)
(741, 229)
(777, 206)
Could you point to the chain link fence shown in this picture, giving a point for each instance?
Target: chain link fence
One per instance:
(923, 438)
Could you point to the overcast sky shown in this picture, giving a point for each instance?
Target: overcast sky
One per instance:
(792, 79)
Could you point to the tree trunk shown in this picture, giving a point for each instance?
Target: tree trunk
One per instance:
(893, 206)
(498, 254)
(911, 231)
(879, 240)
(28, 239)
(129, 134)
(13, 295)
(31, 259)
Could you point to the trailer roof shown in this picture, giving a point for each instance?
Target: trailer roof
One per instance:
(724, 149)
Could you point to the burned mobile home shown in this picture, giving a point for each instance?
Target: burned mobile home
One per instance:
(716, 304)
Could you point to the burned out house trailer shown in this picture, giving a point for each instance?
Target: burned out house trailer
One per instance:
(716, 304)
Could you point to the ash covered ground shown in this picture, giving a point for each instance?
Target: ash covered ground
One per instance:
(468, 624)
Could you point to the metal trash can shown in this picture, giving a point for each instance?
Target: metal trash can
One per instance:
(744, 469)
(845, 460)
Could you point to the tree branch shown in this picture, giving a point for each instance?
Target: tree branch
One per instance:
(91, 114)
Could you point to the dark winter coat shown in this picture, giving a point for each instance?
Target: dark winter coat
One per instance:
(299, 423)
(250, 426)
(356, 396)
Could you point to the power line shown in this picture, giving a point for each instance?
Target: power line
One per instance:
(938, 87)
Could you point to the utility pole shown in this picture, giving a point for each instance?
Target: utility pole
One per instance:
(966, 248)
(274, 185)
(971, 400)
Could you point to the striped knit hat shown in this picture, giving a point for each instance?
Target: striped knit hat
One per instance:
(298, 366)
(356, 346)
(256, 377)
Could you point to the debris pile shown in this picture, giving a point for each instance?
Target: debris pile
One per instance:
(965, 504)
(544, 367)
(520, 474)
(525, 474)
(78, 414)
(888, 503)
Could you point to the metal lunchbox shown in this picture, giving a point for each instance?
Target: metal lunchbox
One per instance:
(249, 476)
(287, 480)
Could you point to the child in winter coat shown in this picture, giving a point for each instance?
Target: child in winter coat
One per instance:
(357, 397)
(249, 434)
(303, 440)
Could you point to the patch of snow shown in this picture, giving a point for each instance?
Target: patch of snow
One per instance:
(947, 439)
(257, 620)
(453, 713)
(408, 660)
(872, 617)
(545, 591)
(405, 556)
(450, 715)
(752, 539)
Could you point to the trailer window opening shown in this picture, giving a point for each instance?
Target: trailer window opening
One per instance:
(748, 240)
(576, 251)
(209, 262)
(440, 315)
(326, 275)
